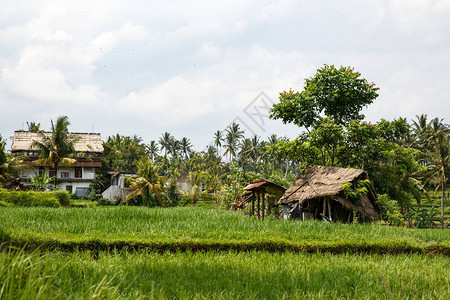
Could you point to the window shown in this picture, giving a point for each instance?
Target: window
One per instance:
(65, 175)
(80, 191)
(69, 189)
(51, 172)
(126, 182)
(78, 172)
(90, 154)
(89, 170)
(41, 171)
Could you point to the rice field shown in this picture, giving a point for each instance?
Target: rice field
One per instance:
(186, 225)
(106, 253)
(225, 275)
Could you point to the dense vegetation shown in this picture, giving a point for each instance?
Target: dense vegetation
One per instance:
(31, 198)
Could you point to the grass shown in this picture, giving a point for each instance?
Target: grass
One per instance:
(225, 275)
(294, 260)
(185, 228)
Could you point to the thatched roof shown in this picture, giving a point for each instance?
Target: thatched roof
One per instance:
(87, 142)
(322, 181)
(263, 184)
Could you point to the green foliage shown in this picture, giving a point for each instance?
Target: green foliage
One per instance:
(9, 166)
(337, 93)
(354, 190)
(29, 198)
(234, 188)
(105, 202)
(58, 148)
(426, 218)
(390, 210)
(42, 182)
(392, 168)
(63, 197)
(148, 184)
(121, 153)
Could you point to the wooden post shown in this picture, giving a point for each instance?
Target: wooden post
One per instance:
(263, 203)
(259, 204)
(329, 209)
(253, 203)
(324, 206)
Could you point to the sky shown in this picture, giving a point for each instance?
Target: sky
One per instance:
(193, 67)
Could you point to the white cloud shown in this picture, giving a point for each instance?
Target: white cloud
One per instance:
(171, 65)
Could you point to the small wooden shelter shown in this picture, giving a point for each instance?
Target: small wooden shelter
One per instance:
(316, 194)
(264, 192)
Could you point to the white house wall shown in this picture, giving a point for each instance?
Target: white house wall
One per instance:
(88, 173)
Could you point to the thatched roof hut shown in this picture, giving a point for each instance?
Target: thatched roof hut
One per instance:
(266, 191)
(318, 194)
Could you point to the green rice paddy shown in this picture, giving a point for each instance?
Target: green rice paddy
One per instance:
(198, 253)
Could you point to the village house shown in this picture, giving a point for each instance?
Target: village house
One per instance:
(119, 188)
(76, 178)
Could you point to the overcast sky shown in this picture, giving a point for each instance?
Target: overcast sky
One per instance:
(193, 67)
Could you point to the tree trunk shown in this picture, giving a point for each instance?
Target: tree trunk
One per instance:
(442, 204)
(409, 216)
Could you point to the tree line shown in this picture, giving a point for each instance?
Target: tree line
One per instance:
(404, 159)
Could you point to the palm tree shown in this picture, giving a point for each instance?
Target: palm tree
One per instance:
(56, 149)
(235, 131)
(34, 127)
(174, 147)
(255, 151)
(211, 155)
(147, 183)
(218, 139)
(152, 149)
(245, 151)
(273, 139)
(438, 166)
(186, 147)
(230, 146)
(232, 139)
(164, 141)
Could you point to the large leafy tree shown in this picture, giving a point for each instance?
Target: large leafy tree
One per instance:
(338, 93)
(57, 149)
(122, 153)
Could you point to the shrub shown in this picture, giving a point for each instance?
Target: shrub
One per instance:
(105, 202)
(390, 211)
(5, 204)
(63, 197)
(48, 199)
